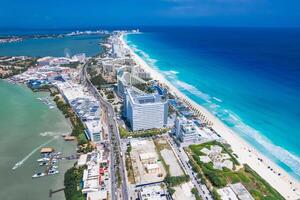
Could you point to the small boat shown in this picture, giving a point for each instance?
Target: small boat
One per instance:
(43, 159)
(37, 175)
(46, 163)
(53, 167)
(17, 165)
(53, 172)
(51, 107)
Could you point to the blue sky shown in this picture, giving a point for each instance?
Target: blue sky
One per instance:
(92, 13)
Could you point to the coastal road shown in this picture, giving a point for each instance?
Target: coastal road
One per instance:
(183, 160)
(113, 133)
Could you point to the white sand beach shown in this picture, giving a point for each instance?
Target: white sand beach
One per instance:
(285, 184)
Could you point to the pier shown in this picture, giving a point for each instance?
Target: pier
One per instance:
(55, 191)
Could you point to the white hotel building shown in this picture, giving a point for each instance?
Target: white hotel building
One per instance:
(145, 111)
(186, 131)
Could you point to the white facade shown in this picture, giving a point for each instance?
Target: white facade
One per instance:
(145, 111)
(186, 131)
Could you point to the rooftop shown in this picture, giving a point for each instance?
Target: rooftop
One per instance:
(139, 97)
(153, 192)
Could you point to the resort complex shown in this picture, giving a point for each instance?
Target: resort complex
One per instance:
(138, 136)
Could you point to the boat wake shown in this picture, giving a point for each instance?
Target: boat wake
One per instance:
(21, 162)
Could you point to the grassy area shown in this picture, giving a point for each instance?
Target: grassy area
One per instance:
(72, 180)
(257, 186)
(147, 133)
(129, 168)
(226, 149)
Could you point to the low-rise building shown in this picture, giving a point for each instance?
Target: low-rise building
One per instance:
(227, 193)
(186, 131)
(94, 130)
(241, 192)
(153, 192)
(148, 158)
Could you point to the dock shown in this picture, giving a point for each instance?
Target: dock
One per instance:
(55, 191)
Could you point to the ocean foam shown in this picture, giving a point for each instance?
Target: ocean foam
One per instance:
(193, 90)
(286, 157)
(228, 116)
(217, 99)
(170, 74)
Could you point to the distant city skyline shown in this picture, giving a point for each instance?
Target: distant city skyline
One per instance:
(92, 13)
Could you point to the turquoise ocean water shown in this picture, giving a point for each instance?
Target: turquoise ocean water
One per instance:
(247, 77)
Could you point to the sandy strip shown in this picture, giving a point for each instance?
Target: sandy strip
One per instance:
(284, 184)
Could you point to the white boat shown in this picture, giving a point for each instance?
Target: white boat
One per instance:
(17, 165)
(43, 159)
(46, 163)
(53, 172)
(53, 167)
(37, 175)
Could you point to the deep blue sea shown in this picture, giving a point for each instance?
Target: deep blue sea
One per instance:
(248, 77)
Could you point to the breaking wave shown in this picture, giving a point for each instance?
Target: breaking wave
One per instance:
(193, 90)
(227, 116)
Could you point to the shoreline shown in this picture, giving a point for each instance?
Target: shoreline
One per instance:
(245, 151)
(45, 136)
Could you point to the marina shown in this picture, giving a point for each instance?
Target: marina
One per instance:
(20, 149)
(50, 159)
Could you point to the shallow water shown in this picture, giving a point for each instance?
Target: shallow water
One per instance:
(25, 124)
(247, 77)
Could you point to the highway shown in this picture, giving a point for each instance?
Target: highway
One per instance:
(183, 160)
(113, 132)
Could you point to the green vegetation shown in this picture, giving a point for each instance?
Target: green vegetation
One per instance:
(257, 186)
(147, 133)
(195, 192)
(72, 180)
(78, 127)
(12, 66)
(144, 87)
(98, 81)
(215, 195)
(262, 185)
(171, 181)
(171, 191)
(226, 149)
(129, 168)
(109, 94)
(176, 180)
(71, 64)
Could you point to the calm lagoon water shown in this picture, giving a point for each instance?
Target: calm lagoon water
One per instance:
(25, 124)
(88, 44)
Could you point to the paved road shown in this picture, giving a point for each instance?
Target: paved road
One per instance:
(183, 158)
(113, 131)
